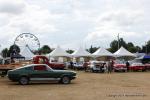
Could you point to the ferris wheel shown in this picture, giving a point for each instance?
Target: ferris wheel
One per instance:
(27, 40)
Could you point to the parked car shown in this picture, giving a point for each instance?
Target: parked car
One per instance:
(39, 59)
(147, 65)
(120, 68)
(78, 65)
(40, 72)
(137, 67)
(97, 66)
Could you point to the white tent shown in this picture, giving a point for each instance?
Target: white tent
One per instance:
(59, 52)
(27, 53)
(123, 52)
(81, 53)
(101, 52)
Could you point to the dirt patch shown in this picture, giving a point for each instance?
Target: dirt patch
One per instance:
(88, 86)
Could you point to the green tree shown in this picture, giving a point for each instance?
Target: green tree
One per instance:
(146, 47)
(13, 49)
(122, 43)
(129, 46)
(69, 51)
(139, 49)
(92, 49)
(5, 52)
(113, 46)
(133, 49)
(45, 49)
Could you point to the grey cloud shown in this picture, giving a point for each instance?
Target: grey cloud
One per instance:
(4, 21)
(75, 20)
(11, 7)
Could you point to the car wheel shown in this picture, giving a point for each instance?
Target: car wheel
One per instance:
(24, 81)
(65, 80)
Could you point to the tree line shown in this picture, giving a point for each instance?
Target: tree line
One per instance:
(45, 49)
(127, 45)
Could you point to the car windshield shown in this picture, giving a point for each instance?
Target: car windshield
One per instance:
(119, 62)
(137, 64)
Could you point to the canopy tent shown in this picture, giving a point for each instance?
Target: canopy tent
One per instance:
(59, 52)
(144, 59)
(101, 52)
(17, 56)
(140, 58)
(27, 53)
(102, 55)
(122, 52)
(81, 53)
(138, 55)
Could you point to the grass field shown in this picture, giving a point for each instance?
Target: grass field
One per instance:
(87, 86)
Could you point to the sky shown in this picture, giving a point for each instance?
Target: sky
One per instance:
(75, 23)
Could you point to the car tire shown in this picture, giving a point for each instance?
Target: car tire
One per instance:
(65, 80)
(23, 81)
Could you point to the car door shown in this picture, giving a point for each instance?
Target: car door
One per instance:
(40, 73)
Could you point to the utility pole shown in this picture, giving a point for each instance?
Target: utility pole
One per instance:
(118, 41)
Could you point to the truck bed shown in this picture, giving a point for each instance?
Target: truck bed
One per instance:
(6, 67)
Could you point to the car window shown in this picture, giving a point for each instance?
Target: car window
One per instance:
(40, 68)
(29, 68)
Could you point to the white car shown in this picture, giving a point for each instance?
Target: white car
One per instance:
(78, 65)
(97, 66)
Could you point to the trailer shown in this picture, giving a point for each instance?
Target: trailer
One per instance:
(3, 71)
(4, 68)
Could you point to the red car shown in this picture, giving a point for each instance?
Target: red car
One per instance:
(137, 67)
(120, 68)
(39, 59)
(147, 66)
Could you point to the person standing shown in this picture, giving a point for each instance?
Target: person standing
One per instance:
(85, 65)
(110, 66)
(71, 64)
(127, 65)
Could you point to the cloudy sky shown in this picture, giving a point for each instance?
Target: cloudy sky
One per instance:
(75, 23)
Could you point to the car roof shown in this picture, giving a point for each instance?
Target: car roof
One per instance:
(97, 61)
(36, 64)
(30, 65)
